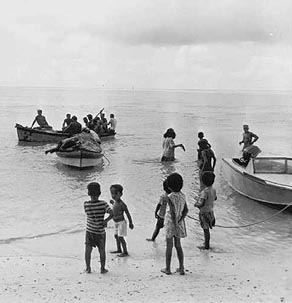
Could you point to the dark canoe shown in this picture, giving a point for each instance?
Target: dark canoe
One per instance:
(28, 134)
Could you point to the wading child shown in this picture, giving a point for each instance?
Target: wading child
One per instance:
(160, 211)
(119, 208)
(175, 227)
(206, 204)
(169, 146)
(95, 210)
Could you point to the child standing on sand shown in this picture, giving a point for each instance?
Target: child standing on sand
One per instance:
(95, 210)
(119, 208)
(160, 211)
(206, 204)
(174, 222)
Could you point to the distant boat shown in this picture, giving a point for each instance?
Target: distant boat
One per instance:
(264, 179)
(80, 158)
(43, 135)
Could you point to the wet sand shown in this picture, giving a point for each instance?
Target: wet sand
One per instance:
(50, 269)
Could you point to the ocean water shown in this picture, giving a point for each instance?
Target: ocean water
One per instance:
(40, 197)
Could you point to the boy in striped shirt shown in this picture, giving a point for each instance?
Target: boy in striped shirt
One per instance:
(95, 210)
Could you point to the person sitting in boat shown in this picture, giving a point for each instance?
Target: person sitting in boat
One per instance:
(72, 142)
(74, 128)
(201, 143)
(41, 121)
(90, 120)
(97, 125)
(103, 122)
(112, 122)
(67, 121)
(248, 138)
(249, 152)
(85, 120)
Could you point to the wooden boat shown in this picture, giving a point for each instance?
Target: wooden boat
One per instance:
(80, 158)
(29, 134)
(264, 179)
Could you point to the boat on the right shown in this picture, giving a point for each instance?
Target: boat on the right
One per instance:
(264, 179)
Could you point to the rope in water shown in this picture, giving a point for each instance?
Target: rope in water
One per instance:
(109, 162)
(250, 224)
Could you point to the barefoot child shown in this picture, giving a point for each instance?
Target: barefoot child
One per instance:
(206, 204)
(160, 211)
(175, 227)
(119, 208)
(95, 210)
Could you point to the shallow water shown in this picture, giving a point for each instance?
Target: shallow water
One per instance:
(39, 196)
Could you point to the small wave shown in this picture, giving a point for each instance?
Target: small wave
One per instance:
(62, 231)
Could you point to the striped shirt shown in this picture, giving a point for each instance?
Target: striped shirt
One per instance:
(95, 211)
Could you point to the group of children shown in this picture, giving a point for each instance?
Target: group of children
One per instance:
(170, 212)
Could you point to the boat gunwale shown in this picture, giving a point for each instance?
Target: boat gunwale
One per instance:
(257, 179)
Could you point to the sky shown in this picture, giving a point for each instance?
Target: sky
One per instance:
(147, 44)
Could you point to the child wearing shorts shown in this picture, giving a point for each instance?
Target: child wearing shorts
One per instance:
(95, 210)
(119, 208)
(206, 205)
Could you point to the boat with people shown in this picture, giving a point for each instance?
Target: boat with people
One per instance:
(81, 150)
(44, 135)
(264, 179)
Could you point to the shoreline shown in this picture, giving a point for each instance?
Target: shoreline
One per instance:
(50, 269)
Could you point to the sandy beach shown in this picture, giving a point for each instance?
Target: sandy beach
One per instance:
(50, 269)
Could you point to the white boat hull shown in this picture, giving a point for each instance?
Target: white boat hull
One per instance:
(254, 187)
(80, 158)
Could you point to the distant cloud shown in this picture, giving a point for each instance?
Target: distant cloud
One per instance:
(197, 22)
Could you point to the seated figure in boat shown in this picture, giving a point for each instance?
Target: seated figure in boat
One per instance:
(103, 123)
(74, 128)
(112, 123)
(248, 138)
(96, 126)
(67, 121)
(72, 142)
(85, 120)
(41, 121)
(249, 152)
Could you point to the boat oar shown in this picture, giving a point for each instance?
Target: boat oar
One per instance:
(100, 112)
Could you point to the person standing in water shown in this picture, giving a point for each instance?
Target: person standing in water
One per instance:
(169, 146)
(201, 142)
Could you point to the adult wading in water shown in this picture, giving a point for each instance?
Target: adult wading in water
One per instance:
(169, 146)
(208, 161)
